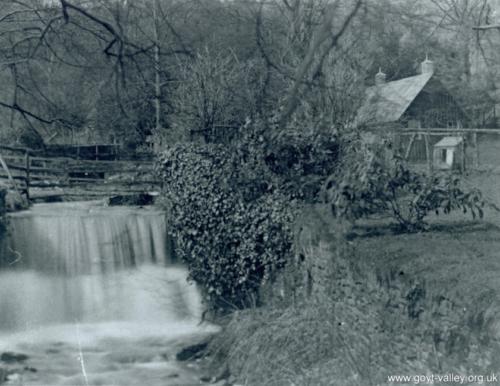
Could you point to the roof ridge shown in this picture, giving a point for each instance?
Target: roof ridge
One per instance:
(387, 102)
(429, 75)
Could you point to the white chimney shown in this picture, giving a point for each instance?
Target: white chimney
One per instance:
(380, 77)
(427, 66)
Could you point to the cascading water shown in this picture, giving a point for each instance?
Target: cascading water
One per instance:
(99, 281)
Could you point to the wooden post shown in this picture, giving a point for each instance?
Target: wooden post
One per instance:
(475, 151)
(27, 166)
(408, 149)
(463, 153)
(10, 177)
(427, 152)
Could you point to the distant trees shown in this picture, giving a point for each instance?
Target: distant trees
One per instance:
(74, 65)
(154, 66)
(185, 69)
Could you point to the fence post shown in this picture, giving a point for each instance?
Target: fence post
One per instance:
(27, 165)
(464, 152)
(475, 151)
(428, 152)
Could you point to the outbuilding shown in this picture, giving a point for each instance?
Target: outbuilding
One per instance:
(449, 154)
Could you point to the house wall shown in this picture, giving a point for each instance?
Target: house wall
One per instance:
(435, 107)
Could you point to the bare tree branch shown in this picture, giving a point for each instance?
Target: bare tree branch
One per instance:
(486, 27)
(322, 34)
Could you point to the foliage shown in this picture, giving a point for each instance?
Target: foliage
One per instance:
(383, 183)
(359, 327)
(233, 231)
(302, 161)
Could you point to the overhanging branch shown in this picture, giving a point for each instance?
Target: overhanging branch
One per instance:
(486, 27)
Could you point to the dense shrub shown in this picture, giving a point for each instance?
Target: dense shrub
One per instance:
(303, 161)
(378, 181)
(337, 321)
(231, 225)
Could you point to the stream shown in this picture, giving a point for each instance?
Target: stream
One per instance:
(93, 296)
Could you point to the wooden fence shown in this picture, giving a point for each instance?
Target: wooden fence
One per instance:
(38, 176)
(481, 145)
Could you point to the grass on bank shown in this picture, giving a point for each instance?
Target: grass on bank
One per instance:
(379, 304)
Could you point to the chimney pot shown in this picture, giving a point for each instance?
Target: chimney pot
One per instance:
(380, 77)
(427, 66)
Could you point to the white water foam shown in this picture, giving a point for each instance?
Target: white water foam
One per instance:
(82, 280)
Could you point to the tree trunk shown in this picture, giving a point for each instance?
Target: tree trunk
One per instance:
(157, 83)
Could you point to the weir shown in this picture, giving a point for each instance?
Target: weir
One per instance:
(74, 239)
(80, 273)
(87, 262)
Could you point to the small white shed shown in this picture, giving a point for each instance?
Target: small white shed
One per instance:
(449, 153)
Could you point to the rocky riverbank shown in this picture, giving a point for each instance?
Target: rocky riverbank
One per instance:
(105, 354)
(192, 361)
(13, 366)
(197, 355)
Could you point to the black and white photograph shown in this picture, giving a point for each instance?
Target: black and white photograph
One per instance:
(249, 192)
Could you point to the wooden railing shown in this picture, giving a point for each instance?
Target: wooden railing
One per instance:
(36, 175)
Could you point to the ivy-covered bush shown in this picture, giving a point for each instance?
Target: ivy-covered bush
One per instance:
(231, 226)
(302, 161)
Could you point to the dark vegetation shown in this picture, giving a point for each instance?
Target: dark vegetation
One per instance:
(267, 182)
(118, 72)
(373, 311)
(306, 306)
(378, 181)
(233, 229)
(233, 213)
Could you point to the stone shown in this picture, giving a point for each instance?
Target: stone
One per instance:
(192, 352)
(14, 201)
(225, 374)
(11, 357)
(13, 377)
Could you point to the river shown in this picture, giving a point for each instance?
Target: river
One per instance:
(93, 296)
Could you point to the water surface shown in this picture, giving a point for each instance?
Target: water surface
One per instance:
(93, 296)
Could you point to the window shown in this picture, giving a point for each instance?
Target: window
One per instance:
(414, 124)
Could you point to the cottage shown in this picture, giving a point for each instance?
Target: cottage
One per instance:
(414, 112)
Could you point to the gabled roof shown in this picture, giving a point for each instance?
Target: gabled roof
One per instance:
(387, 102)
(449, 142)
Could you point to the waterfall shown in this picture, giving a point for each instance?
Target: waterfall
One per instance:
(86, 263)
